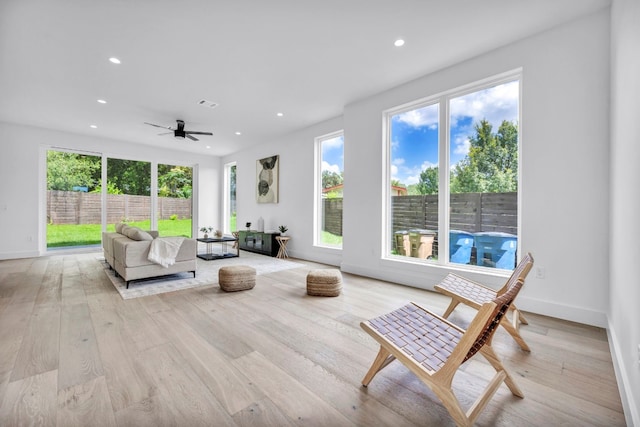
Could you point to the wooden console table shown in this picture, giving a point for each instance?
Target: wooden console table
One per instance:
(258, 242)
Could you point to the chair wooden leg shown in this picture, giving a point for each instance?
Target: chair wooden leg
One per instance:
(515, 333)
(521, 317)
(486, 396)
(451, 403)
(491, 356)
(383, 358)
(454, 303)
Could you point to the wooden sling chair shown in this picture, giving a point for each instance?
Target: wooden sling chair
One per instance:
(434, 348)
(473, 294)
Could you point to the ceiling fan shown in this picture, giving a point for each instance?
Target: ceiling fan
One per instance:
(179, 131)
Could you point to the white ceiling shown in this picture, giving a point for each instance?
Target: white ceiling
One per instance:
(255, 58)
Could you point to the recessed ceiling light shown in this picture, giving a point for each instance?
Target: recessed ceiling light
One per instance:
(102, 101)
(114, 60)
(93, 126)
(279, 114)
(208, 146)
(398, 43)
(238, 133)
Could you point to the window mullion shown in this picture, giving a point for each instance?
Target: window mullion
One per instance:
(443, 180)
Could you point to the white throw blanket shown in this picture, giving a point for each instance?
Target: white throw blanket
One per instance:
(164, 250)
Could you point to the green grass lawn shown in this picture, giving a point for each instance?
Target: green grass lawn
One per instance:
(331, 239)
(62, 235)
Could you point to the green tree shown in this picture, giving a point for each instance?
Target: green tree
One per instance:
(130, 176)
(175, 181)
(331, 179)
(428, 183)
(68, 170)
(111, 188)
(492, 162)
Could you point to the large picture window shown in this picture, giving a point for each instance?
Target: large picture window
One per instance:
(329, 189)
(453, 175)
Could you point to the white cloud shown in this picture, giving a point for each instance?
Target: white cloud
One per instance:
(426, 165)
(337, 142)
(494, 104)
(408, 175)
(409, 180)
(461, 144)
(425, 116)
(331, 168)
(394, 172)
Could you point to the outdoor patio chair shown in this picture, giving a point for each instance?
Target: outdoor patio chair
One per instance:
(468, 292)
(434, 348)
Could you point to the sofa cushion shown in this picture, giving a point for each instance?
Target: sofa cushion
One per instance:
(119, 227)
(131, 232)
(137, 234)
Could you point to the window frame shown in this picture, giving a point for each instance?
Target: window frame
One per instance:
(226, 208)
(318, 200)
(443, 100)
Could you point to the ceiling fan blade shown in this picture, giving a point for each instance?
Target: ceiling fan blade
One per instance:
(198, 133)
(193, 138)
(158, 126)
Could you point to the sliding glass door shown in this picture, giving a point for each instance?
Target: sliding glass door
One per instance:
(128, 193)
(75, 200)
(175, 207)
(74, 207)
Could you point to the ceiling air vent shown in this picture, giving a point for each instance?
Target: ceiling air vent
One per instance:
(206, 103)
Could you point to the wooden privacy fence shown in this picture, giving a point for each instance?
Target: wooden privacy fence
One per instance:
(332, 209)
(76, 207)
(471, 212)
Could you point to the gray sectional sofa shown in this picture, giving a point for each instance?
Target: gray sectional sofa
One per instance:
(127, 250)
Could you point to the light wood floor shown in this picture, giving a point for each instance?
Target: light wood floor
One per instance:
(73, 353)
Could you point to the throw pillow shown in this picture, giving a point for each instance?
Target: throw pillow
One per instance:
(119, 227)
(140, 235)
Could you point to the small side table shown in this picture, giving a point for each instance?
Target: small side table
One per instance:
(282, 241)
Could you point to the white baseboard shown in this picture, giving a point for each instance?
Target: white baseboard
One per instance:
(18, 255)
(563, 311)
(408, 274)
(320, 257)
(629, 401)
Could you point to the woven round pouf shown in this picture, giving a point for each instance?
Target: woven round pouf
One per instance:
(236, 278)
(324, 283)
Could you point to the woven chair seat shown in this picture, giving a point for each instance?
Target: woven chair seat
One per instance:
(472, 294)
(237, 278)
(406, 326)
(324, 283)
(467, 289)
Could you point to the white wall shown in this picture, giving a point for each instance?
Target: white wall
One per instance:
(564, 168)
(22, 221)
(295, 208)
(565, 183)
(624, 320)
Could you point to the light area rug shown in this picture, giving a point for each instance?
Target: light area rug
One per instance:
(206, 274)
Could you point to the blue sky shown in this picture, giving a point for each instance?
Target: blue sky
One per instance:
(414, 133)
